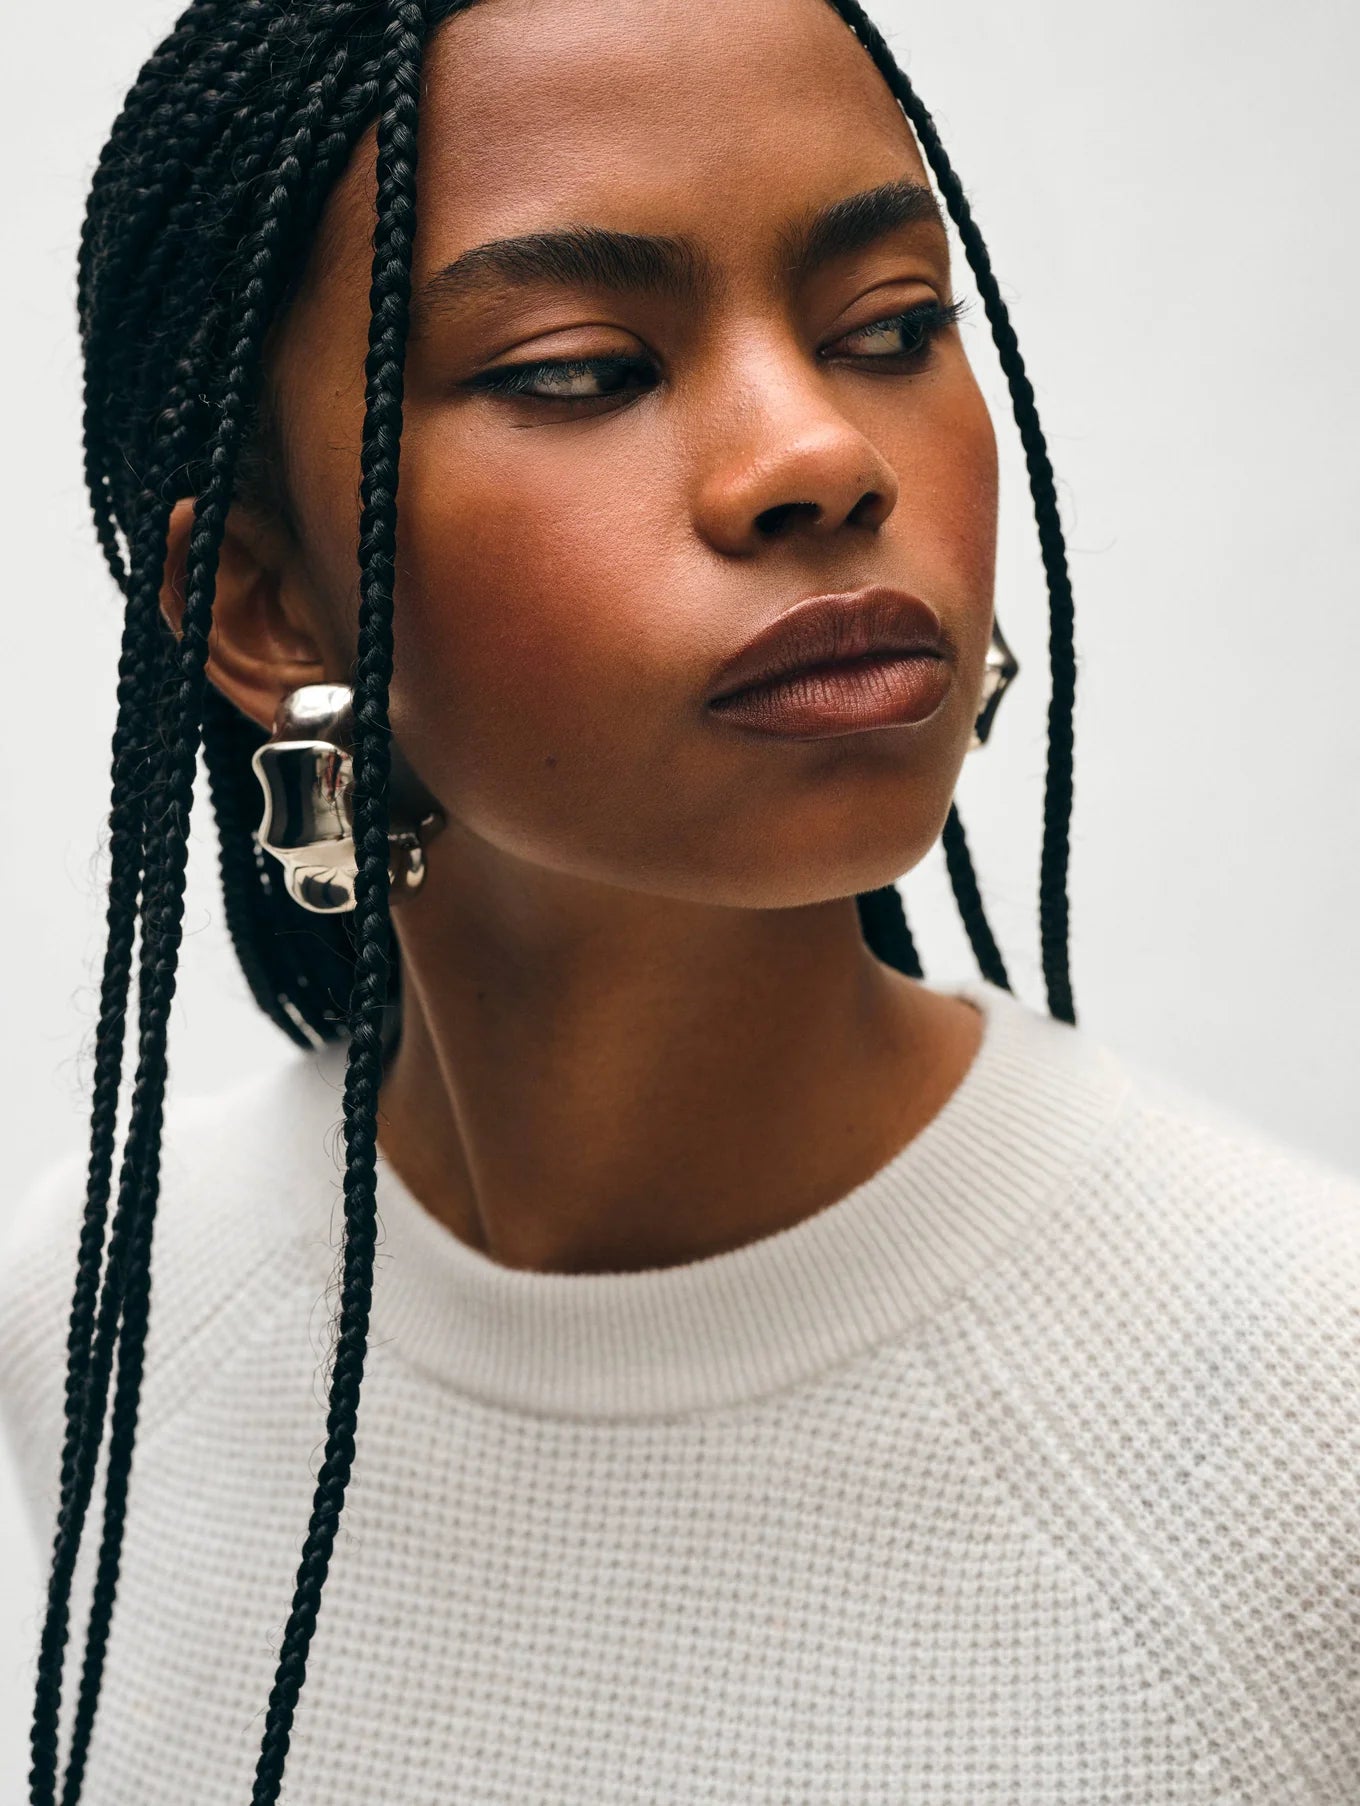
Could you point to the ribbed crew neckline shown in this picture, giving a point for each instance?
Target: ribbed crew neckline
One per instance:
(778, 1310)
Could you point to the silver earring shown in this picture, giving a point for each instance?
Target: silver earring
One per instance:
(998, 673)
(306, 771)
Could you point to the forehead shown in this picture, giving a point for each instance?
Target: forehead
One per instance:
(680, 116)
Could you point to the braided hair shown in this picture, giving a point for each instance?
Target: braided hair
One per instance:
(199, 218)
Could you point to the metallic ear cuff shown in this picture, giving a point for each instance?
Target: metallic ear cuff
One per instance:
(998, 673)
(306, 771)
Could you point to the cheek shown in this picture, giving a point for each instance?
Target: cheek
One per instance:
(526, 643)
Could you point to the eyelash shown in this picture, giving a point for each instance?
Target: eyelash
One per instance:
(929, 318)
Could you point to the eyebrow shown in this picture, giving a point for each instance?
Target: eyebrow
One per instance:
(636, 263)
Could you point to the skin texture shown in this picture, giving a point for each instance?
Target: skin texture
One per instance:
(641, 1025)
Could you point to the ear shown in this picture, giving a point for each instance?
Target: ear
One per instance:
(262, 643)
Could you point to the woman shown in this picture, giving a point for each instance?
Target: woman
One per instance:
(781, 1380)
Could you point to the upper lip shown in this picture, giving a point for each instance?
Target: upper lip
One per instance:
(823, 630)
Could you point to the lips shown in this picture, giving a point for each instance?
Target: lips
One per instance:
(829, 630)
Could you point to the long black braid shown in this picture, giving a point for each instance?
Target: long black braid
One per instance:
(198, 222)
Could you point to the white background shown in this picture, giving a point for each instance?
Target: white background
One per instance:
(1168, 194)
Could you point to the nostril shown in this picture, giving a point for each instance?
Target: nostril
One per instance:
(868, 511)
(774, 520)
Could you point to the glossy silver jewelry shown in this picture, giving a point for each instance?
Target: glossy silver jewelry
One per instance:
(998, 673)
(306, 771)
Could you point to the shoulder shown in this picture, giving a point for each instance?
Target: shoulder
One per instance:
(1254, 1241)
(1213, 1190)
(249, 1176)
(1238, 1206)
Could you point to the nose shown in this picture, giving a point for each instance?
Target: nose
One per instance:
(787, 463)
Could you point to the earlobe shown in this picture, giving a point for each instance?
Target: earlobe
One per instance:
(259, 649)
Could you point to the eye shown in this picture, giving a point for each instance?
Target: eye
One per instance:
(903, 338)
(582, 379)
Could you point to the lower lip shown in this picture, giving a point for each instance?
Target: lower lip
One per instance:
(883, 690)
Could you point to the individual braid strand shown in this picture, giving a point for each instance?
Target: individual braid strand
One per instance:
(963, 879)
(389, 296)
(883, 920)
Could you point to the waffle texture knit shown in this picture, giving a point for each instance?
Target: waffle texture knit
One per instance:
(1025, 1474)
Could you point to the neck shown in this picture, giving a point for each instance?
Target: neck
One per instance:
(590, 1090)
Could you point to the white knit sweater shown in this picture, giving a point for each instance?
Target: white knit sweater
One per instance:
(1026, 1474)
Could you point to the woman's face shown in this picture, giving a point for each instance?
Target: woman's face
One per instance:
(679, 460)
